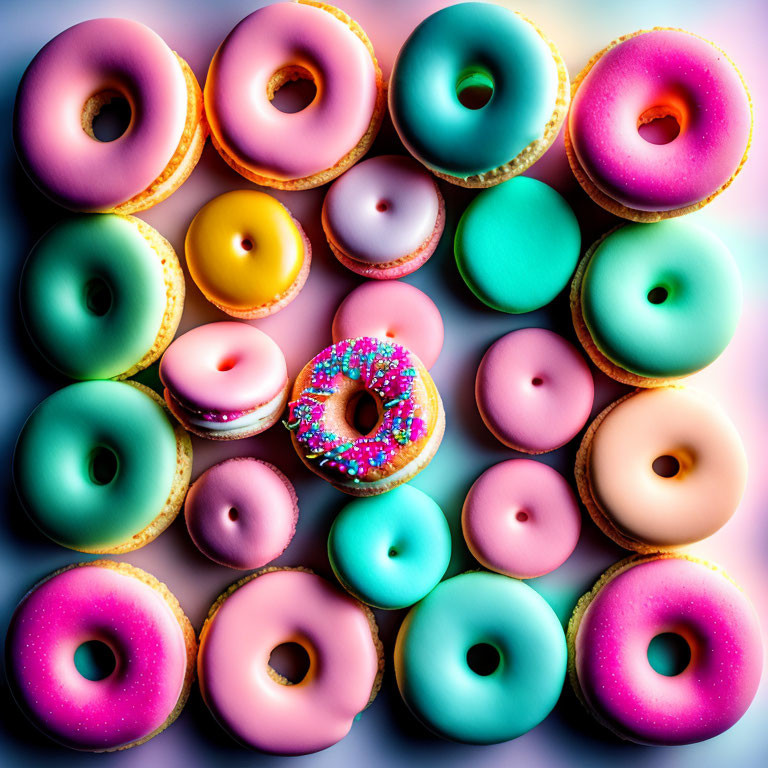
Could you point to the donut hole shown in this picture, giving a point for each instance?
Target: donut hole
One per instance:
(288, 663)
(537, 381)
(659, 125)
(382, 206)
(363, 412)
(233, 514)
(666, 466)
(522, 516)
(227, 364)
(106, 116)
(483, 659)
(669, 654)
(246, 244)
(474, 89)
(98, 297)
(658, 295)
(392, 552)
(102, 465)
(95, 660)
(291, 89)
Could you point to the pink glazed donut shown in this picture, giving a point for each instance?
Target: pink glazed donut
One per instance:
(612, 628)
(534, 391)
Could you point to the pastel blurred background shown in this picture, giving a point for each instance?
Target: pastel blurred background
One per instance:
(386, 734)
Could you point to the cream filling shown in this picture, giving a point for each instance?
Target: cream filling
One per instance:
(250, 419)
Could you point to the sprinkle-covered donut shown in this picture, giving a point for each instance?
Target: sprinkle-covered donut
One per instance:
(101, 467)
(487, 49)
(65, 87)
(408, 427)
(100, 656)
(642, 77)
(610, 640)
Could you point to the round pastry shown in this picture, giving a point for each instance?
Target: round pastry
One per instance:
(534, 390)
(392, 311)
(327, 406)
(661, 468)
(517, 245)
(257, 705)
(102, 296)
(65, 87)
(242, 513)
(521, 518)
(100, 656)
(390, 550)
(247, 254)
(478, 93)
(654, 303)
(481, 659)
(101, 467)
(642, 77)
(294, 41)
(384, 218)
(225, 381)
(611, 638)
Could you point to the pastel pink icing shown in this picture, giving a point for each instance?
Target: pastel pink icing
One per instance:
(534, 390)
(392, 311)
(686, 598)
(96, 603)
(242, 513)
(693, 81)
(67, 164)
(521, 518)
(300, 144)
(275, 608)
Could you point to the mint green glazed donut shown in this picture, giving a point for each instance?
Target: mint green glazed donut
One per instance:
(390, 550)
(434, 675)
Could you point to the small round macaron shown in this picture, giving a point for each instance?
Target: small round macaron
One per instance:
(242, 513)
(534, 390)
(247, 254)
(392, 311)
(517, 245)
(390, 550)
(384, 218)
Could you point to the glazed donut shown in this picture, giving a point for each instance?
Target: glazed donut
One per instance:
(639, 78)
(483, 47)
(639, 599)
(410, 416)
(101, 467)
(660, 469)
(434, 651)
(256, 704)
(102, 296)
(642, 301)
(65, 87)
(62, 627)
(307, 40)
(247, 254)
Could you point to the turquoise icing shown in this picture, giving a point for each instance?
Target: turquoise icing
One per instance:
(458, 46)
(390, 550)
(436, 680)
(693, 324)
(517, 245)
(76, 259)
(54, 464)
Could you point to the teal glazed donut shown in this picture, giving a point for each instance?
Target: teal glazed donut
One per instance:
(437, 639)
(478, 46)
(100, 467)
(390, 550)
(101, 296)
(654, 302)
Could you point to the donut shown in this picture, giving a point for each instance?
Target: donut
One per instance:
(307, 40)
(610, 641)
(492, 619)
(242, 513)
(392, 311)
(453, 59)
(260, 707)
(101, 296)
(516, 245)
(225, 381)
(66, 85)
(384, 218)
(654, 303)
(521, 518)
(101, 467)
(534, 390)
(661, 468)
(390, 550)
(402, 439)
(639, 78)
(100, 656)
(247, 254)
